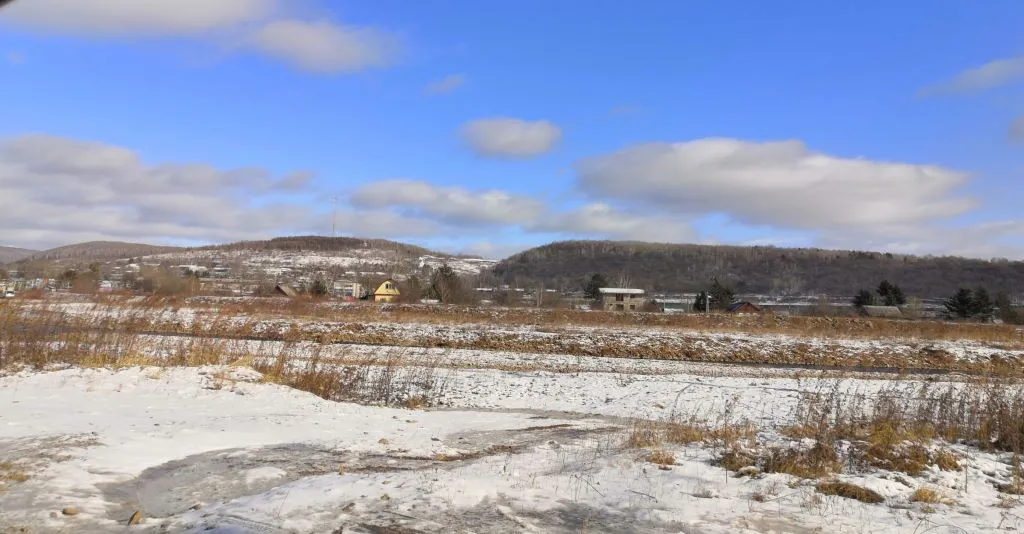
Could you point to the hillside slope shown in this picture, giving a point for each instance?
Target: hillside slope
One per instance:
(765, 270)
(11, 254)
(97, 251)
(340, 255)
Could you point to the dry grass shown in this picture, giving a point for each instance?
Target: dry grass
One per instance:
(857, 327)
(897, 429)
(11, 473)
(43, 338)
(644, 434)
(946, 460)
(690, 432)
(926, 495)
(465, 327)
(818, 461)
(849, 491)
(736, 460)
(661, 457)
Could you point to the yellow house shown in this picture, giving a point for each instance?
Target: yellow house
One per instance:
(387, 291)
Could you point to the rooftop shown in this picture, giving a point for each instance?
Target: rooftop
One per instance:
(620, 291)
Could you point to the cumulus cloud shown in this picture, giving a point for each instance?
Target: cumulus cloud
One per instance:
(1017, 128)
(454, 205)
(58, 190)
(446, 84)
(323, 46)
(995, 239)
(604, 221)
(782, 184)
(318, 46)
(491, 250)
(134, 17)
(509, 137)
(987, 76)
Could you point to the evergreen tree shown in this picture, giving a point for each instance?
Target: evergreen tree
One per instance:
(961, 305)
(700, 302)
(891, 294)
(981, 305)
(592, 289)
(863, 298)
(721, 296)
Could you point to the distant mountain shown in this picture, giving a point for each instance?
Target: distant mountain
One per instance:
(11, 254)
(97, 251)
(761, 270)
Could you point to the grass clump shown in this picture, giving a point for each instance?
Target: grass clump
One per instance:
(818, 461)
(849, 491)
(661, 457)
(686, 433)
(734, 460)
(946, 460)
(927, 495)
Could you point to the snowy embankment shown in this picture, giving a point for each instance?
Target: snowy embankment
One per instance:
(216, 449)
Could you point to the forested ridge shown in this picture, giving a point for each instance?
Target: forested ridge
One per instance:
(669, 268)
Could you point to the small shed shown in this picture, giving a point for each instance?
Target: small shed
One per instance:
(744, 307)
(887, 312)
(286, 290)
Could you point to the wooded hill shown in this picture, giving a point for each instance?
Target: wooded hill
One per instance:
(313, 243)
(671, 268)
(97, 251)
(9, 254)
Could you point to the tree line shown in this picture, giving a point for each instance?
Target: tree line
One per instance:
(964, 304)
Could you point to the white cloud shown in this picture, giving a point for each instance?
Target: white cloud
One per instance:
(454, 205)
(508, 137)
(58, 191)
(998, 239)
(781, 184)
(446, 84)
(493, 251)
(990, 75)
(1017, 128)
(134, 17)
(324, 47)
(318, 46)
(604, 221)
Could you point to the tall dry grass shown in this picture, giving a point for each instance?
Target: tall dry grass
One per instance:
(906, 428)
(391, 326)
(45, 338)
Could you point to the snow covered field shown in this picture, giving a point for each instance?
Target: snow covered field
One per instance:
(216, 449)
(530, 428)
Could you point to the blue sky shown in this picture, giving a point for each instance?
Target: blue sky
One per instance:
(489, 127)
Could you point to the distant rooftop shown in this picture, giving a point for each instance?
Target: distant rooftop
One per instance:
(620, 291)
